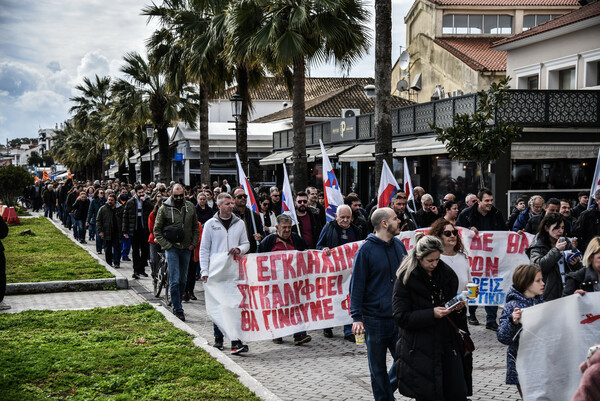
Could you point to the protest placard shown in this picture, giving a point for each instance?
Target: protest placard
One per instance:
(263, 296)
(555, 339)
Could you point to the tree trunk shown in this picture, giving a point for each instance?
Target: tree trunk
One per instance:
(131, 166)
(383, 82)
(165, 159)
(121, 173)
(242, 132)
(299, 137)
(204, 149)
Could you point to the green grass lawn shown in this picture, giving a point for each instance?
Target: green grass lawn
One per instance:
(48, 256)
(118, 353)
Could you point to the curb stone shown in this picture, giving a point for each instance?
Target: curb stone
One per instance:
(120, 281)
(244, 377)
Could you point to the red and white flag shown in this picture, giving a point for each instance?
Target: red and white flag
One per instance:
(595, 181)
(331, 187)
(245, 184)
(408, 188)
(287, 199)
(388, 186)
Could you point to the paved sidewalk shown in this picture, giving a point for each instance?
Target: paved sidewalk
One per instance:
(324, 369)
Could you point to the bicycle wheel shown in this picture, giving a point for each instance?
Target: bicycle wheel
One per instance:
(167, 285)
(159, 283)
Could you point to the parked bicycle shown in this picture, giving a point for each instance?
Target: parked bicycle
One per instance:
(162, 278)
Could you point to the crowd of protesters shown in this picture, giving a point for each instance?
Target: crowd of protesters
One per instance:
(397, 301)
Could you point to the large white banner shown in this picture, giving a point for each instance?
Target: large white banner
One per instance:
(270, 295)
(554, 341)
(263, 296)
(493, 256)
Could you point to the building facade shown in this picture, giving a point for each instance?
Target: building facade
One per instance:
(450, 42)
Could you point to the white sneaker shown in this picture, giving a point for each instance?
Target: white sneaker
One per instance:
(4, 306)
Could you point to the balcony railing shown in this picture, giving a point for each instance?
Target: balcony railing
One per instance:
(528, 108)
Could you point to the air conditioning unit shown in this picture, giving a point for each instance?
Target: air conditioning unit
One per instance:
(457, 92)
(347, 113)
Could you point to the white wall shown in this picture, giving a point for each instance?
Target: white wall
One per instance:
(220, 110)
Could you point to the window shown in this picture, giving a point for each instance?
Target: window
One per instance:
(533, 82)
(528, 77)
(562, 73)
(531, 20)
(566, 79)
(476, 24)
(591, 72)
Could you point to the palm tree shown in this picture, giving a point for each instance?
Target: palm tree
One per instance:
(87, 134)
(383, 83)
(144, 81)
(199, 28)
(293, 33)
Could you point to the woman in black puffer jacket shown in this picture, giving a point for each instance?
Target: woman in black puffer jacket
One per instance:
(548, 252)
(428, 353)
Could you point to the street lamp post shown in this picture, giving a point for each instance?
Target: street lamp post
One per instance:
(236, 111)
(150, 136)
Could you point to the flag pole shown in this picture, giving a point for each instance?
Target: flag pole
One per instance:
(246, 183)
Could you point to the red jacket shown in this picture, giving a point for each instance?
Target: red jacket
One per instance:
(151, 220)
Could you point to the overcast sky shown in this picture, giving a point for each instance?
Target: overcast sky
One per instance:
(47, 47)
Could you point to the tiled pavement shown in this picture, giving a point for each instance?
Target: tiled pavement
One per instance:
(324, 369)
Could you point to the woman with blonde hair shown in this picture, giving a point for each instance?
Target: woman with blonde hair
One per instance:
(586, 279)
(428, 352)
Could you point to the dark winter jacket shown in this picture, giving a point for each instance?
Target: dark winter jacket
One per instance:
(71, 198)
(508, 332)
(250, 227)
(588, 227)
(361, 222)
(522, 220)
(316, 226)
(104, 221)
(426, 219)
(373, 277)
(331, 235)
(95, 206)
(130, 214)
(3, 232)
(80, 209)
(423, 339)
(470, 217)
(548, 259)
(512, 218)
(267, 244)
(583, 279)
(204, 214)
(49, 197)
(63, 192)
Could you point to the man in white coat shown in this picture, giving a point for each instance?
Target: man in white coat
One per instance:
(223, 233)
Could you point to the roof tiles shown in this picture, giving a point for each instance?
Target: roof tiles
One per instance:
(506, 2)
(585, 12)
(475, 52)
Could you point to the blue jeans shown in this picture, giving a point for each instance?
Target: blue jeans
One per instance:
(178, 260)
(99, 240)
(112, 247)
(61, 212)
(80, 231)
(381, 336)
(491, 312)
(48, 211)
(125, 247)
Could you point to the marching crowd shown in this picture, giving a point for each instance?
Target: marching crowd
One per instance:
(397, 297)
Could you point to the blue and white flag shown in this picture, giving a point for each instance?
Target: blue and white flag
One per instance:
(331, 188)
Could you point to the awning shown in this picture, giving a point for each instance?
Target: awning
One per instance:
(359, 153)
(310, 155)
(275, 158)
(554, 150)
(419, 147)
(331, 152)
